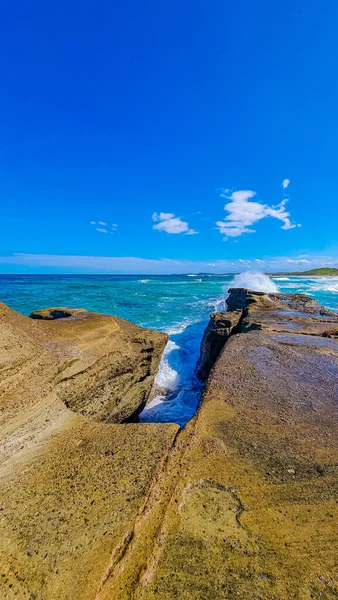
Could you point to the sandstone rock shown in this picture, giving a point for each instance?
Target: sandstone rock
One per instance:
(248, 502)
(73, 486)
(244, 299)
(240, 504)
(98, 365)
(241, 298)
(217, 333)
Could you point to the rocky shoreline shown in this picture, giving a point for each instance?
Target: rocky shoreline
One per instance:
(241, 503)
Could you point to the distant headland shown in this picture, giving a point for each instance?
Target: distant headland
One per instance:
(330, 271)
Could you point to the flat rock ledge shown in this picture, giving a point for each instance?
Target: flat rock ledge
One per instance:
(242, 503)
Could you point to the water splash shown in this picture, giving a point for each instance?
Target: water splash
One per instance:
(255, 281)
(177, 378)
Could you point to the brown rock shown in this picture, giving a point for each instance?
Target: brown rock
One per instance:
(98, 365)
(251, 490)
(71, 487)
(220, 327)
(240, 504)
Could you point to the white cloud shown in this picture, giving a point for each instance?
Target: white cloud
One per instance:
(242, 213)
(104, 228)
(170, 224)
(298, 261)
(285, 183)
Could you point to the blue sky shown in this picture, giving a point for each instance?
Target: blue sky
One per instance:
(153, 117)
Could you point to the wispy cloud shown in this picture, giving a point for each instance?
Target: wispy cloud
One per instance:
(243, 213)
(170, 224)
(285, 183)
(104, 227)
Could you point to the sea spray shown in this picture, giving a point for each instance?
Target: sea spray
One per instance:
(255, 281)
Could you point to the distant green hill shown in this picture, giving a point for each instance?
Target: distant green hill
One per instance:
(316, 272)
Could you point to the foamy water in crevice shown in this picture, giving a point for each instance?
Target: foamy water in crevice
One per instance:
(176, 375)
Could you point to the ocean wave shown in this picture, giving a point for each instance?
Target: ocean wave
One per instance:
(143, 280)
(328, 287)
(254, 281)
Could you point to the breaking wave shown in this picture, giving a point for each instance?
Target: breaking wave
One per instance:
(255, 281)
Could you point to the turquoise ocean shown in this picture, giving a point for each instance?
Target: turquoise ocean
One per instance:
(177, 304)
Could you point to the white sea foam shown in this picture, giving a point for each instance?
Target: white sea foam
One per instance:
(281, 279)
(143, 280)
(254, 281)
(324, 284)
(177, 376)
(167, 377)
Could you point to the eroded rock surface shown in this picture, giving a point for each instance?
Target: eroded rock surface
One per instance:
(220, 327)
(72, 485)
(98, 365)
(243, 503)
(251, 488)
